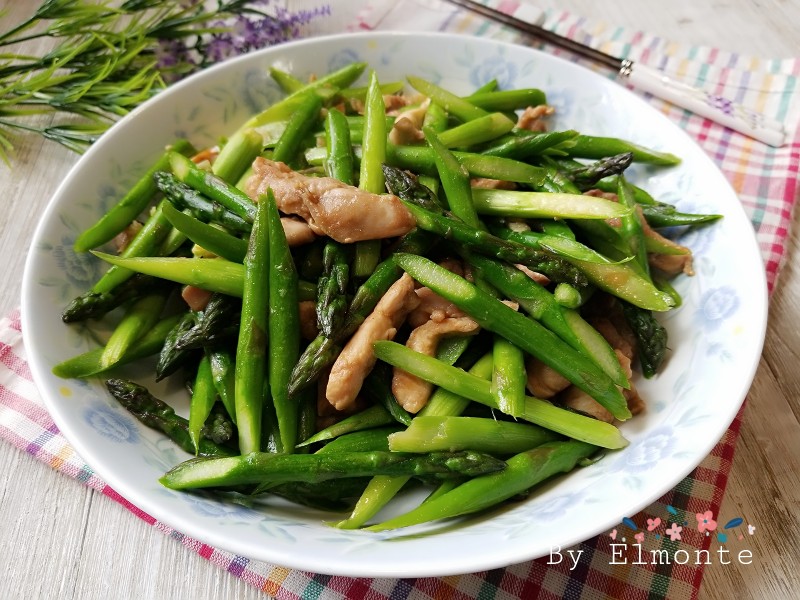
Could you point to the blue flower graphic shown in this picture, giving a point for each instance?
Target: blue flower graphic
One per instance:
(111, 425)
(496, 67)
(81, 269)
(716, 305)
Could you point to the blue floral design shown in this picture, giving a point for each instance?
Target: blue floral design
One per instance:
(496, 67)
(110, 424)
(342, 59)
(647, 453)
(219, 509)
(81, 269)
(716, 305)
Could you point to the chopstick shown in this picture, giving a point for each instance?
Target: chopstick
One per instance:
(716, 108)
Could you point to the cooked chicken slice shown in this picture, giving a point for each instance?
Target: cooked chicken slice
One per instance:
(533, 117)
(539, 278)
(635, 402)
(197, 298)
(578, 400)
(125, 237)
(543, 381)
(357, 358)
(394, 102)
(409, 390)
(308, 319)
(342, 212)
(492, 184)
(407, 128)
(297, 232)
(672, 264)
(432, 307)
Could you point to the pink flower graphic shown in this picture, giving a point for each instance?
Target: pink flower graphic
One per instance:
(639, 537)
(705, 521)
(674, 532)
(653, 523)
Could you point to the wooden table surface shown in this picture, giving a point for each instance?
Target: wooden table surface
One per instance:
(60, 539)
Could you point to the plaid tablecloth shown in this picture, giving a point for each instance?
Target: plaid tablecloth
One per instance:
(766, 180)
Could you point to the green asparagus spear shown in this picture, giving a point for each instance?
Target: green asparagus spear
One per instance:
(130, 206)
(93, 305)
(88, 363)
(524, 146)
(143, 314)
(589, 146)
(460, 107)
(651, 337)
(485, 243)
(507, 100)
(332, 289)
(367, 253)
(302, 122)
(212, 187)
(157, 415)
(204, 395)
(260, 467)
(524, 471)
(543, 306)
(284, 326)
(339, 162)
(251, 351)
(477, 131)
(455, 180)
(170, 358)
(432, 434)
(508, 377)
(374, 416)
(523, 204)
(218, 322)
(237, 154)
(185, 197)
(207, 236)
(222, 375)
(529, 335)
(474, 388)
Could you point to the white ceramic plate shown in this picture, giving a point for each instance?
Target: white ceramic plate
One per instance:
(716, 335)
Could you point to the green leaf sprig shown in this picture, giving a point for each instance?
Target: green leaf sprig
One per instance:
(106, 58)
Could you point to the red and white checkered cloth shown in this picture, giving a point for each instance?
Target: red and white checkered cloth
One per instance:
(766, 180)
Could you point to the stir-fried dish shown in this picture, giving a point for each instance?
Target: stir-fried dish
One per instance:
(369, 288)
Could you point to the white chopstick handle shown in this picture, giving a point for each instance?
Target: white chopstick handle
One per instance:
(716, 108)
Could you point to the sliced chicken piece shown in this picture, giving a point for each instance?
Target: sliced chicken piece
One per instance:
(543, 381)
(124, 237)
(635, 402)
(357, 358)
(330, 207)
(197, 298)
(394, 102)
(672, 264)
(432, 307)
(407, 128)
(492, 184)
(616, 332)
(409, 390)
(533, 117)
(578, 400)
(297, 232)
(539, 278)
(308, 319)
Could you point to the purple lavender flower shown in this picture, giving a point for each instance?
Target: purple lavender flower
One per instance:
(251, 26)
